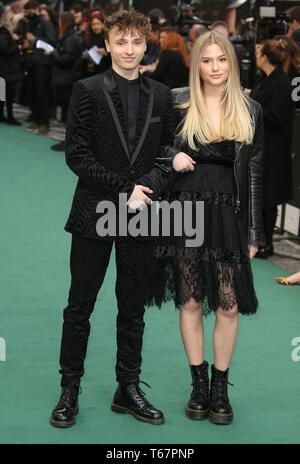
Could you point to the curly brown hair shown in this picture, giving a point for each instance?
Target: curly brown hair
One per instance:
(127, 21)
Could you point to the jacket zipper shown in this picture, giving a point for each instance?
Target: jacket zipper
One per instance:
(238, 202)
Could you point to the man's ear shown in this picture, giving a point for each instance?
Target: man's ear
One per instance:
(107, 45)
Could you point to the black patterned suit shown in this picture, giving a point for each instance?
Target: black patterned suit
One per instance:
(97, 152)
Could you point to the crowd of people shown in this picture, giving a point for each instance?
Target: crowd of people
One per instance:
(41, 78)
(43, 53)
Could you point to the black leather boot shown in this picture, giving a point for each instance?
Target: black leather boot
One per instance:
(63, 415)
(129, 398)
(220, 411)
(198, 405)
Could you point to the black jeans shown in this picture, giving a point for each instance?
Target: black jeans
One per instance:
(88, 263)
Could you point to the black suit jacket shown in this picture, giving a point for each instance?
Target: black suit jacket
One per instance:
(97, 152)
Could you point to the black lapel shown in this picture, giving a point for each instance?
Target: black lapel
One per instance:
(144, 88)
(108, 85)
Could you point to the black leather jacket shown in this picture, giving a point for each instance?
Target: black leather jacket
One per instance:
(248, 167)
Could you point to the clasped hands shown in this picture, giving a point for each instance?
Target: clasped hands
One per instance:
(139, 200)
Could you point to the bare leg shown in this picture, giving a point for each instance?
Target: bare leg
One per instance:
(191, 328)
(224, 337)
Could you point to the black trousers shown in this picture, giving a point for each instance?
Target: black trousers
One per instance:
(38, 85)
(88, 262)
(269, 218)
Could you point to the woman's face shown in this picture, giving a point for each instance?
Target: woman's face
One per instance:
(96, 26)
(214, 66)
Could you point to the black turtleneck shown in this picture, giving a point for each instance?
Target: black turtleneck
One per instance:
(129, 91)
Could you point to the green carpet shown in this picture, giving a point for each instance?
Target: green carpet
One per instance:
(36, 193)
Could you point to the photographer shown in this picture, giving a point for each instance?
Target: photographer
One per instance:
(32, 28)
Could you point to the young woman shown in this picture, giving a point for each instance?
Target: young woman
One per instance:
(217, 159)
(94, 36)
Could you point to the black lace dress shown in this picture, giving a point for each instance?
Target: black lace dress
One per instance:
(218, 272)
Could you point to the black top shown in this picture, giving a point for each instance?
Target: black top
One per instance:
(171, 70)
(129, 91)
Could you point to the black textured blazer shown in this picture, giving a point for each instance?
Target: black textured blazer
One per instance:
(97, 151)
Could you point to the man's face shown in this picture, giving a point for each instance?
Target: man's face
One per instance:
(126, 49)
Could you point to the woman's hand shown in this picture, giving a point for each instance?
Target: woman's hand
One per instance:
(183, 162)
(253, 249)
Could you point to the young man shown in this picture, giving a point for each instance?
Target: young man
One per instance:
(119, 122)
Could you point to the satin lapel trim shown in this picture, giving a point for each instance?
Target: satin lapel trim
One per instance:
(145, 129)
(117, 122)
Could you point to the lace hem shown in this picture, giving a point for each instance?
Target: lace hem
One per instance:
(203, 254)
(217, 285)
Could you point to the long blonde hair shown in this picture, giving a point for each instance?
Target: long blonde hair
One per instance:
(235, 118)
(6, 21)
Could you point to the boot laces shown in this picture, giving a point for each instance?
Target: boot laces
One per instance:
(70, 394)
(139, 394)
(220, 388)
(200, 385)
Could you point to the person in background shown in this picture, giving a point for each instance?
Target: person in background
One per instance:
(31, 28)
(172, 68)
(221, 26)
(10, 68)
(94, 36)
(76, 11)
(273, 91)
(196, 31)
(157, 17)
(153, 45)
(291, 63)
(65, 57)
(295, 25)
(49, 14)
